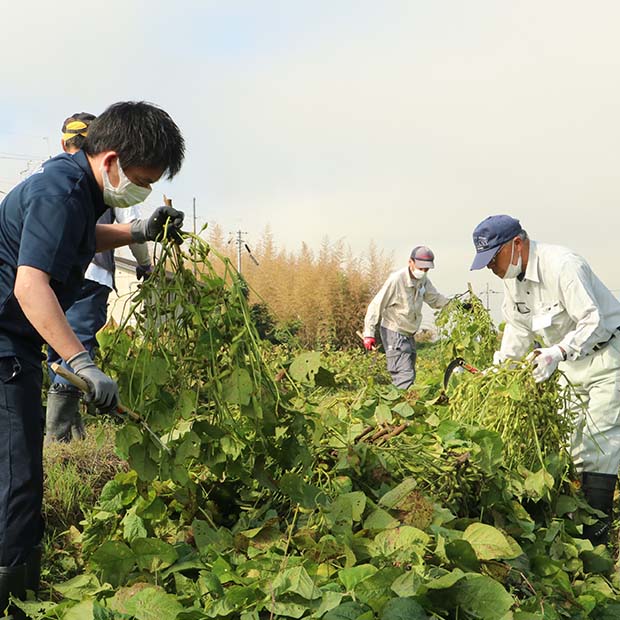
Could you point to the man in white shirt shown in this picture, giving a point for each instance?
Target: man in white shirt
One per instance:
(397, 309)
(552, 296)
(88, 314)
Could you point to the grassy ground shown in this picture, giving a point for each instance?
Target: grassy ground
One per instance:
(75, 473)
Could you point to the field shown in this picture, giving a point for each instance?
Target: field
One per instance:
(300, 484)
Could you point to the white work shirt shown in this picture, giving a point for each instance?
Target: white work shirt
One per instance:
(398, 305)
(560, 301)
(102, 276)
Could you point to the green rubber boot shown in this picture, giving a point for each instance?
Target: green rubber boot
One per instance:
(63, 421)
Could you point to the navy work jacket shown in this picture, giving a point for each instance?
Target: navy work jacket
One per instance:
(47, 222)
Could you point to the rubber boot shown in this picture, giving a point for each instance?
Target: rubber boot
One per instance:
(599, 491)
(62, 417)
(12, 582)
(33, 569)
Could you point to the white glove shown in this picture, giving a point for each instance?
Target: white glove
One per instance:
(498, 358)
(545, 361)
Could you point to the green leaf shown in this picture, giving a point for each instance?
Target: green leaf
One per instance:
(119, 492)
(79, 587)
(515, 391)
(394, 497)
(538, 484)
(407, 537)
(404, 410)
(133, 527)
(383, 414)
(483, 597)
(597, 561)
(153, 603)
(377, 589)
(380, 520)
(207, 537)
(305, 366)
(237, 388)
(565, 504)
(489, 543)
(407, 584)
(297, 581)
(300, 492)
(84, 610)
(158, 371)
(126, 437)
(347, 508)
(141, 461)
(115, 560)
(350, 577)
(462, 555)
(153, 554)
(403, 609)
(350, 611)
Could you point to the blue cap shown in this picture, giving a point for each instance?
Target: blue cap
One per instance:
(490, 235)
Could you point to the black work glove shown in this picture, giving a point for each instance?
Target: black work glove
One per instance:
(466, 305)
(152, 228)
(143, 272)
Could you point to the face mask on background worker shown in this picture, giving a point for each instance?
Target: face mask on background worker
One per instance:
(418, 274)
(126, 194)
(513, 270)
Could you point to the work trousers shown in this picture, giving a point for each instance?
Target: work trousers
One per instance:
(400, 354)
(595, 443)
(21, 460)
(86, 317)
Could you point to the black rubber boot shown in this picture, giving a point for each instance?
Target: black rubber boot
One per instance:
(599, 491)
(62, 417)
(12, 582)
(33, 569)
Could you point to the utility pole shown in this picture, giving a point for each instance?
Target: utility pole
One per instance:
(239, 244)
(194, 227)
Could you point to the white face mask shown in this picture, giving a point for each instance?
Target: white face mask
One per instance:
(513, 270)
(418, 274)
(126, 194)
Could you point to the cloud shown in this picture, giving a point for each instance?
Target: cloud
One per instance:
(399, 122)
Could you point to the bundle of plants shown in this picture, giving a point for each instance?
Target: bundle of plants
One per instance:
(188, 360)
(466, 330)
(533, 420)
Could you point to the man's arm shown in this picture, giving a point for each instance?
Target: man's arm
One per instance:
(41, 307)
(110, 236)
(433, 297)
(375, 309)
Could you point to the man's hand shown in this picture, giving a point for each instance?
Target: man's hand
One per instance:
(143, 272)
(545, 361)
(369, 343)
(104, 391)
(151, 229)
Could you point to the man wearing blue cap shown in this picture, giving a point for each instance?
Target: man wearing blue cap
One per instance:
(552, 296)
(397, 309)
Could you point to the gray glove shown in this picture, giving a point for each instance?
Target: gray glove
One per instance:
(153, 227)
(103, 390)
(144, 272)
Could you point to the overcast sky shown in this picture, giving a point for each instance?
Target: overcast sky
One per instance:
(399, 121)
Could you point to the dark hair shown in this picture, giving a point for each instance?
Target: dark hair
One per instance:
(141, 133)
(78, 133)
